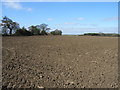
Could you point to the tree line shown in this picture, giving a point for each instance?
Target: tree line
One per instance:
(102, 34)
(9, 27)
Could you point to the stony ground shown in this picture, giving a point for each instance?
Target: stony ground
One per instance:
(60, 61)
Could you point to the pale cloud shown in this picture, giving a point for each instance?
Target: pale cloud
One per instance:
(80, 24)
(94, 25)
(111, 19)
(15, 5)
(80, 18)
(49, 19)
(78, 30)
(66, 23)
(29, 9)
(10, 0)
(70, 23)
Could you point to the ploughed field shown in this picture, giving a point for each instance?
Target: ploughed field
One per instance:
(60, 61)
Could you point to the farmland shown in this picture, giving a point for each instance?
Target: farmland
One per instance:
(60, 61)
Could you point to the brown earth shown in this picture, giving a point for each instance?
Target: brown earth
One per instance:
(60, 61)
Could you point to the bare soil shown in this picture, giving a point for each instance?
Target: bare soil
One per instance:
(60, 62)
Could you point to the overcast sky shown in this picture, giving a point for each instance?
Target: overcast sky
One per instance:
(70, 17)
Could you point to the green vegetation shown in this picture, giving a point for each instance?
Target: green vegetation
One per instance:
(34, 30)
(8, 26)
(92, 34)
(12, 28)
(102, 34)
(22, 32)
(56, 32)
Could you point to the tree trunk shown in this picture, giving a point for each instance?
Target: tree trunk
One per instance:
(10, 32)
